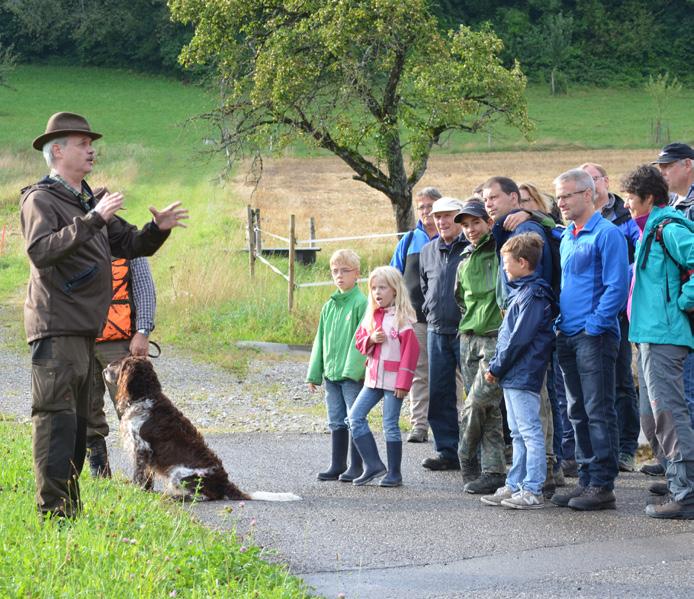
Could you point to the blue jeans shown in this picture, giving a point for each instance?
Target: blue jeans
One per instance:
(626, 404)
(557, 424)
(365, 402)
(529, 466)
(568, 442)
(444, 359)
(689, 385)
(588, 365)
(339, 397)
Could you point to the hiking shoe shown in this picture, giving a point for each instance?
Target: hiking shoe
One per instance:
(627, 463)
(500, 494)
(524, 500)
(652, 469)
(594, 498)
(570, 468)
(470, 470)
(672, 510)
(487, 483)
(559, 479)
(440, 462)
(418, 435)
(659, 489)
(562, 500)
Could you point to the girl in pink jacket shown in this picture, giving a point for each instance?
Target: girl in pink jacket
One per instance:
(385, 336)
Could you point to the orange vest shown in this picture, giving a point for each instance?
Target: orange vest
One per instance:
(120, 322)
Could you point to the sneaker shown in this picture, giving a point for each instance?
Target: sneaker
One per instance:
(570, 468)
(594, 498)
(627, 463)
(524, 500)
(439, 462)
(659, 489)
(672, 510)
(500, 494)
(486, 483)
(418, 435)
(652, 469)
(562, 500)
(470, 470)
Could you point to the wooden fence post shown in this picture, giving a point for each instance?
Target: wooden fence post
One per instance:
(258, 241)
(292, 243)
(251, 241)
(311, 232)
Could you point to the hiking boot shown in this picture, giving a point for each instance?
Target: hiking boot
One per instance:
(672, 510)
(439, 462)
(418, 435)
(659, 489)
(627, 463)
(570, 468)
(98, 458)
(356, 466)
(338, 460)
(487, 483)
(373, 466)
(559, 479)
(652, 469)
(394, 477)
(470, 469)
(562, 500)
(594, 498)
(524, 500)
(500, 494)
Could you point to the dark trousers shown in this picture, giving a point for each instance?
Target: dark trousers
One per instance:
(61, 381)
(626, 402)
(444, 359)
(588, 365)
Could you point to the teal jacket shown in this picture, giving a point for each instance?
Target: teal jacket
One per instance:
(653, 318)
(334, 355)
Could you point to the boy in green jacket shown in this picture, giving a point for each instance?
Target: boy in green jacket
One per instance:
(481, 420)
(335, 359)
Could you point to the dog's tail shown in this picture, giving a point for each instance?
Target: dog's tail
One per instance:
(266, 496)
(231, 491)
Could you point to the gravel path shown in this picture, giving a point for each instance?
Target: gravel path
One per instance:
(272, 397)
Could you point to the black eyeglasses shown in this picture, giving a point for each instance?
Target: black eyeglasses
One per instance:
(566, 196)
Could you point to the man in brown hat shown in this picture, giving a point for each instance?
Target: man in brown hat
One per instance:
(70, 236)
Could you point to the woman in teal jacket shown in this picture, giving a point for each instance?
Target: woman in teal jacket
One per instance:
(661, 305)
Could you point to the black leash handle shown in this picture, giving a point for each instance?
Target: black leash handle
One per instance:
(158, 350)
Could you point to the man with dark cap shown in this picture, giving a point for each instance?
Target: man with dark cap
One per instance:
(70, 236)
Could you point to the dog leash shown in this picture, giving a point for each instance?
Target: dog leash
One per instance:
(158, 350)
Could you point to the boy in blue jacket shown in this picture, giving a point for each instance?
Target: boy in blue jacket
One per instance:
(519, 364)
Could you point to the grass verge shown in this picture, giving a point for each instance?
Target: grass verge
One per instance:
(128, 543)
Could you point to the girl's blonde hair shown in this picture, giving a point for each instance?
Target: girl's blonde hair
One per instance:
(404, 312)
(541, 199)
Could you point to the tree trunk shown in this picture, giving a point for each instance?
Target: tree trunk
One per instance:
(402, 209)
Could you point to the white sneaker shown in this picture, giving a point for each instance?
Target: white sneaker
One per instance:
(524, 500)
(499, 495)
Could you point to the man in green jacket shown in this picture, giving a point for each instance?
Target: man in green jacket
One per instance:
(481, 420)
(70, 238)
(336, 360)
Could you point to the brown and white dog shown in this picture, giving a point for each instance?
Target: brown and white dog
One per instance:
(163, 442)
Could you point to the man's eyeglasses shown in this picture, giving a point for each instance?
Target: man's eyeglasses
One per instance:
(566, 196)
(341, 271)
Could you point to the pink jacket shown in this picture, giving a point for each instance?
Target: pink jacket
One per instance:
(389, 365)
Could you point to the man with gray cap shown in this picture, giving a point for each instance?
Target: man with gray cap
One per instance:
(70, 235)
(438, 265)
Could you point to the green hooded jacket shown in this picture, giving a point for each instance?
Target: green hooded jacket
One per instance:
(334, 355)
(475, 290)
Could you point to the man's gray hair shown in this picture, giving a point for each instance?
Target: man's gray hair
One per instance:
(582, 179)
(429, 192)
(48, 149)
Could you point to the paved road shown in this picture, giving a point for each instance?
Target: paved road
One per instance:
(428, 539)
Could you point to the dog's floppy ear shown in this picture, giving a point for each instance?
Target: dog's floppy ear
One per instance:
(140, 379)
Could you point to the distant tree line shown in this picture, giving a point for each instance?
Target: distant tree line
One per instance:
(557, 41)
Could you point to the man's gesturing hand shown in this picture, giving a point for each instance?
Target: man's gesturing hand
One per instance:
(169, 217)
(109, 205)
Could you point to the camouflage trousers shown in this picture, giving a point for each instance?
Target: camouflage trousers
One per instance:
(480, 418)
(61, 380)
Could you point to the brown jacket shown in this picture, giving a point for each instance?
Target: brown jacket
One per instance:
(70, 253)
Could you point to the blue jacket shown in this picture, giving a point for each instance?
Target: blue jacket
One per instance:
(501, 236)
(526, 336)
(653, 318)
(406, 260)
(595, 278)
(438, 270)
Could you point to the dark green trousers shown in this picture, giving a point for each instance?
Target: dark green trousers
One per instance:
(61, 382)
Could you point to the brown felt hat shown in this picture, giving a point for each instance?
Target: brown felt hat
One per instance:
(64, 123)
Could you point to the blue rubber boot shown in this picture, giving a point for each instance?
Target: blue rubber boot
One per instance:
(393, 478)
(373, 466)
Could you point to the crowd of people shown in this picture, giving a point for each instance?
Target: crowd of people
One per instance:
(509, 319)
